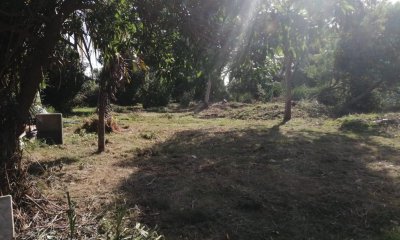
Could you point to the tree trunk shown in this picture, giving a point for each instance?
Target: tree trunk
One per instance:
(14, 116)
(288, 86)
(208, 92)
(102, 115)
(10, 158)
(14, 109)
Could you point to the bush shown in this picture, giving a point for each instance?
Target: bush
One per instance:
(303, 93)
(245, 97)
(355, 125)
(129, 94)
(186, 98)
(88, 94)
(154, 93)
(391, 101)
(277, 89)
(64, 81)
(328, 96)
(370, 103)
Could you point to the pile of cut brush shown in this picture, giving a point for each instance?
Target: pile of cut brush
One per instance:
(91, 126)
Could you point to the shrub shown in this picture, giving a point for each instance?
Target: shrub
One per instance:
(370, 103)
(246, 97)
(355, 125)
(303, 92)
(64, 81)
(155, 92)
(186, 99)
(328, 96)
(88, 94)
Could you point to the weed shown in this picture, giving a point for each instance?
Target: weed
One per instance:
(393, 234)
(81, 166)
(118, 229)
(121, 212)
(71, 217)
(34, 144)
(148, 135)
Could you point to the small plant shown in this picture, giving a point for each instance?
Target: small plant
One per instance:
(393, 234)
(34, 144)
(148, 135)
(119, 230)
(141, 232)
(71, 217)
(121, 212)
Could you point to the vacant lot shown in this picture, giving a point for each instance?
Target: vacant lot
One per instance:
(217, 176)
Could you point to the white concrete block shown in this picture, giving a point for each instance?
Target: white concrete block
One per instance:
(6, 218)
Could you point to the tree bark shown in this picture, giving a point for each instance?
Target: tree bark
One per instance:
(10, 158)
(15, 112)
(102, 115)
(14, 119)
(288, 86)
(208, 92)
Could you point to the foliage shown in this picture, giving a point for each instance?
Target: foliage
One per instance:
(129, 93)
(303, 93)
(366, 60)
(64, 80)
(186, 99)
(154, 93)
(255, 79)
(29, 33)
(355, 125)
(88, 94)
(71, 217)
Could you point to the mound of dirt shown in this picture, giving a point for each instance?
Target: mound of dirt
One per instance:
(269, 111)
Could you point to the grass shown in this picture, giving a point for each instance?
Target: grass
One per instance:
(219, 177)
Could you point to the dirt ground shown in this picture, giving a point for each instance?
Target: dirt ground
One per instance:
(210, 176)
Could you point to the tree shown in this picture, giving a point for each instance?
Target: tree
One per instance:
(300, 24)
(214, 28)
(294, 25)
(366, 59)
(29, 32)
(112, 30)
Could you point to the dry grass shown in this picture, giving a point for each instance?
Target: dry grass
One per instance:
(222, 178)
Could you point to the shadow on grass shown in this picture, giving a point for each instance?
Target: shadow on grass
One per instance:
(261, 184)
(38, 168)
(388, 128)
